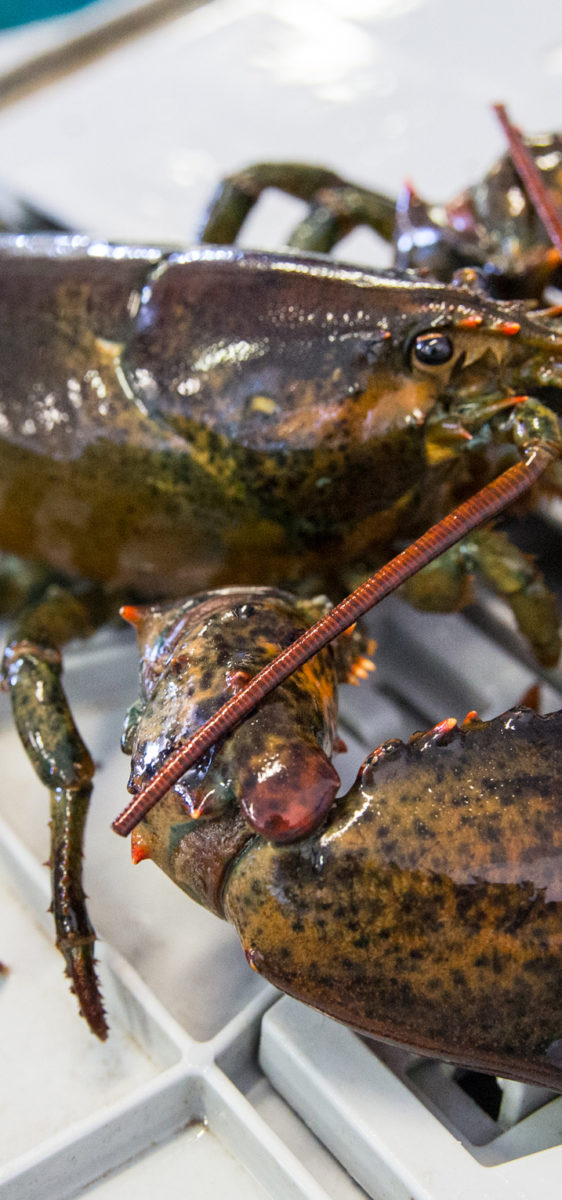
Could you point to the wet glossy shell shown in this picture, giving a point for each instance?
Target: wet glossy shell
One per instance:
(429, 909)
(273, 773)
(254, 441)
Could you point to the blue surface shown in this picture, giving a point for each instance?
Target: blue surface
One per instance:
(21, 12)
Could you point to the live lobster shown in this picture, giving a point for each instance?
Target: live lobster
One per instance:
(299, 435)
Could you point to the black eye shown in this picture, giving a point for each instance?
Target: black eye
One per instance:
(433, 349)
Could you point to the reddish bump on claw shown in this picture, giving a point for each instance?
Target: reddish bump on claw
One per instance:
(237, 679)
(470, 718)
(444, 727)
(436, 734)
(139, 848)
(291, 798)
(386, 749)
(131, 614)
(377, 753)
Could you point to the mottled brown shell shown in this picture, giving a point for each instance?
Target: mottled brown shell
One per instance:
(428, 911)
(271, 775)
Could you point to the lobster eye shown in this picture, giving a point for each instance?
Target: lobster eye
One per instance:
(433, 349)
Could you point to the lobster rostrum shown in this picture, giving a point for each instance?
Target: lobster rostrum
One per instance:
(424, 906)
(196, 419)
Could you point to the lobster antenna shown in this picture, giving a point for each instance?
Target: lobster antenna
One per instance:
(479, 508)
(530, 175)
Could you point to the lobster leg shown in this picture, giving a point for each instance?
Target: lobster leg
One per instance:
(20, 583)
(32, 673)
(515, 577)
(444, 586)
(336, 206)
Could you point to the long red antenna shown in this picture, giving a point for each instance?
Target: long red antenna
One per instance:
(530, 175)
(479, 508)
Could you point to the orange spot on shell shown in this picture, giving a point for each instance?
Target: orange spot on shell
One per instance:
(470, 717)
(470, 322)
(509, 328)
(139, 847)
(132, 614)
(236, 680)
